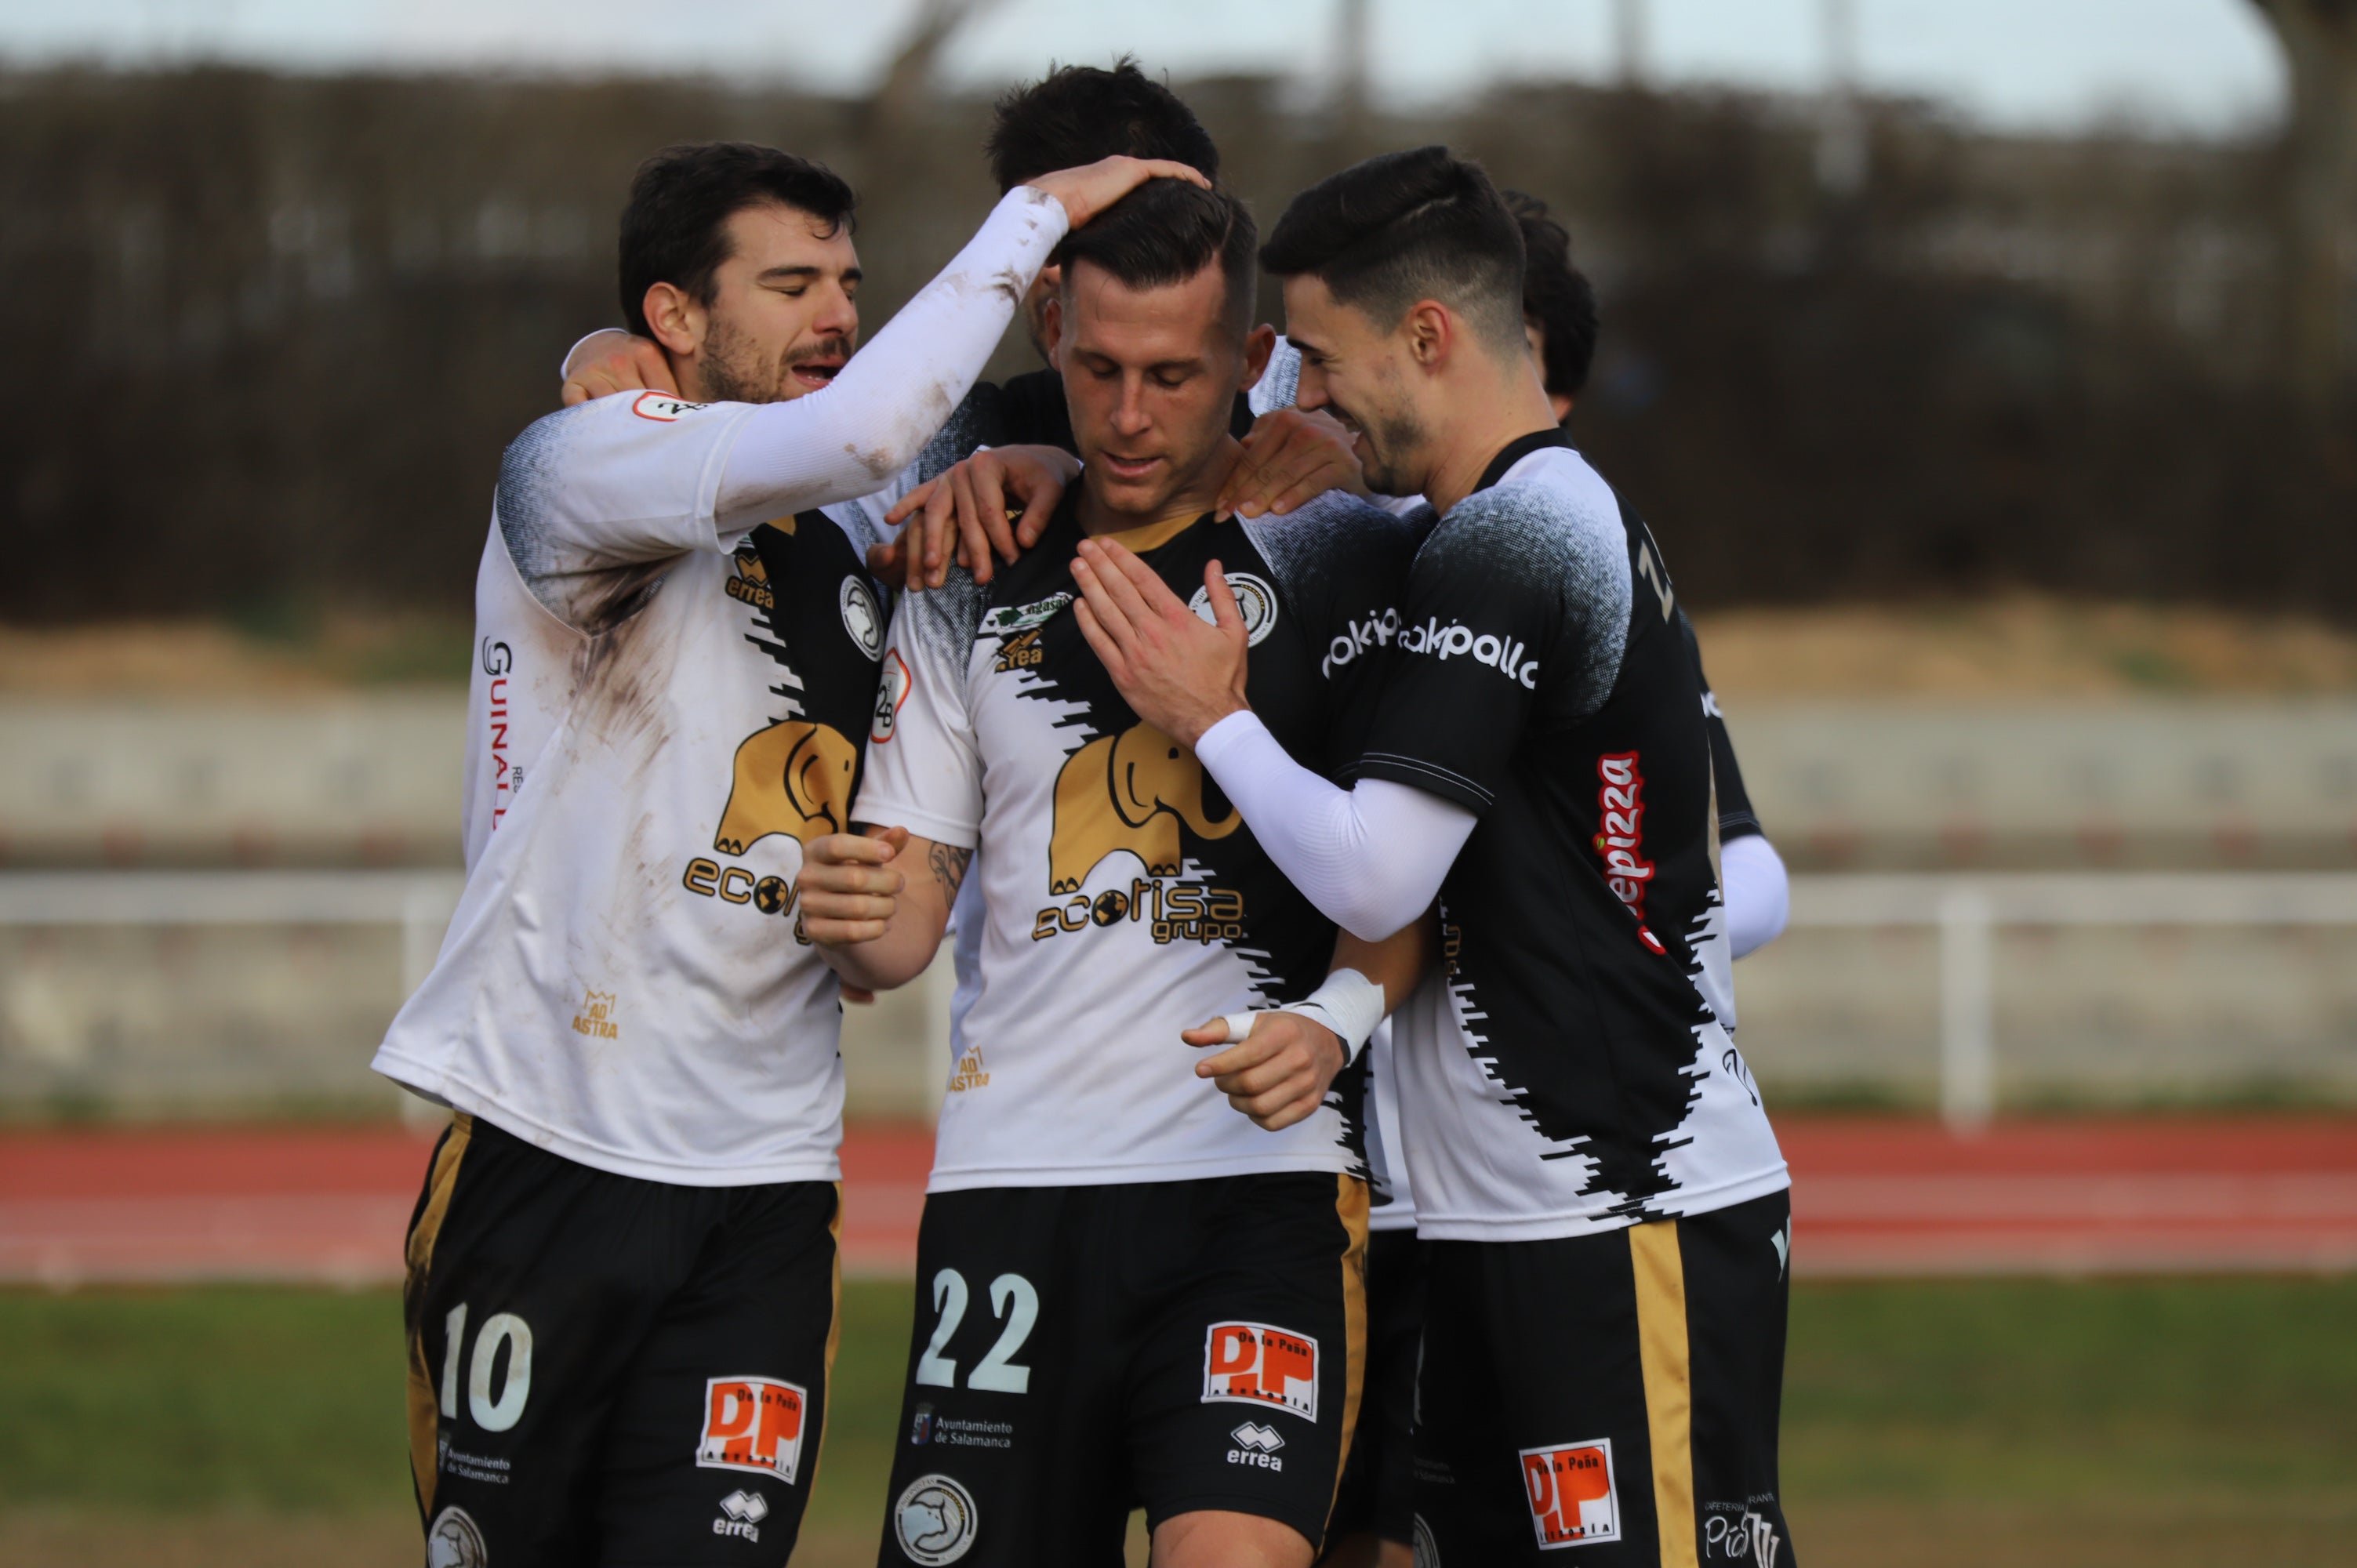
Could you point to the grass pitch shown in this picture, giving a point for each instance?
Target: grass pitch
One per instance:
(2030, 1423)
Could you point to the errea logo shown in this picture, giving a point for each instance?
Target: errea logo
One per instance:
(1456, 641)
(741, 1515)
(1256, 1445)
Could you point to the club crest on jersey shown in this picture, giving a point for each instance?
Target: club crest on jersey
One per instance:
(1255, 601)
(752, 1424)
(1260, 1364)
(455, 1540)
(663, 409)
(1574, 1499)
(861, 618)
(934, 1521)
(1008, 619)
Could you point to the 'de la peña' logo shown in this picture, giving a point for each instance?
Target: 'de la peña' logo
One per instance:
(1127, 791)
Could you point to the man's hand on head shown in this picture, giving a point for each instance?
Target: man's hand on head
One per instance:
(1290, 459)
(995, 504)
(1278, 1073)
(611, 361)
(1179, 674)
(1090, 190)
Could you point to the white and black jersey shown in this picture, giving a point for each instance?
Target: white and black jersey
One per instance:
(1571, 1073)
(661, 716)
(1122, 899)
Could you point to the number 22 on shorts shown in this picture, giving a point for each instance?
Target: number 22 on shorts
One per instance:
(1013, 1299)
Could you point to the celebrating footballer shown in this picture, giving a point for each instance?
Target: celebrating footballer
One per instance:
(1347, 1157)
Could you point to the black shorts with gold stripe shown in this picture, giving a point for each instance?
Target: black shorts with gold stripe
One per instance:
(612, 1370)
(1615, 1392)
(1079, 1351)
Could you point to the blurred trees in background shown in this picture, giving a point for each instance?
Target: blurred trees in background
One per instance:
(272, 332)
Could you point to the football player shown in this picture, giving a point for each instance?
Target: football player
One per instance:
(1603, 1203)
(621, 1267)
(1132, 1295)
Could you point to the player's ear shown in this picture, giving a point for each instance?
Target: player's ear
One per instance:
(674, 318)
(1259, 344)
(1430, 331)
(1052, 328)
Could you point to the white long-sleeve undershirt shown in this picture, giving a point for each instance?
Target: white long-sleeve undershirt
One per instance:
(852, 437)
(1371, 858)
(1758, 895)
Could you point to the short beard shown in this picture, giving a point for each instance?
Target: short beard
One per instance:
(1392, 441)
(732, 368)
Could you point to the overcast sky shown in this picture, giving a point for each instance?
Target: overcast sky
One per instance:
(2204, 65)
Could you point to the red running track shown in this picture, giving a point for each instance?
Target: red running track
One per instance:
(1871, 1197)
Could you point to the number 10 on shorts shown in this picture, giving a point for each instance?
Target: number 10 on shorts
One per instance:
(1256, 1363)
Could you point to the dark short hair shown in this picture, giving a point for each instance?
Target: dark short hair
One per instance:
(1080, 114)
(1555, 294)
(676, 225)
(1165, 233)
(1400, 227)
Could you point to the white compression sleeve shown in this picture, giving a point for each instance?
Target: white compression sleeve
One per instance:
(1371, 858)
(1757, 895)
(851, 438)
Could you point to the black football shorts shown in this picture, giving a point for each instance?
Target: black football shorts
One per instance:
(1082, 1350)
(1617, 1393)
(607, 1370)
(1378, 1495)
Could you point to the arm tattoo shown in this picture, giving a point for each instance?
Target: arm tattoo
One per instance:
(948, 864)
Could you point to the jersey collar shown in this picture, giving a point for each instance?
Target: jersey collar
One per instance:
(1520, 447)
(1136, 541)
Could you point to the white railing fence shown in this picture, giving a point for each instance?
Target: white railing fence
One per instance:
(1965, 911)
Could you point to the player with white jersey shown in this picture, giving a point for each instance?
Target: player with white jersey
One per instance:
(1603, 1206)
(1135, 1294)
(622, 1273)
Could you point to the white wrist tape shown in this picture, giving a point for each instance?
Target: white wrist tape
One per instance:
(1349, 1004)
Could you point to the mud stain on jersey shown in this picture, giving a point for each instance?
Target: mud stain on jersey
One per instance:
(619, 694)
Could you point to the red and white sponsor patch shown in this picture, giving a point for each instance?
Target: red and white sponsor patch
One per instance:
(1573, 1496)
(663, 408)
(752, 1424)
(890, 692)
(1259, 1364)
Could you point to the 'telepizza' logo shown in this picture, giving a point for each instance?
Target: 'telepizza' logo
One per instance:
(752, 1424)
(1620, 812)
(1573, 1498)
(1259, 1364)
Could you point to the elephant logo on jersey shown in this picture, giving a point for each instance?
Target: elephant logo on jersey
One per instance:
(1127, 791)
(792, 778)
